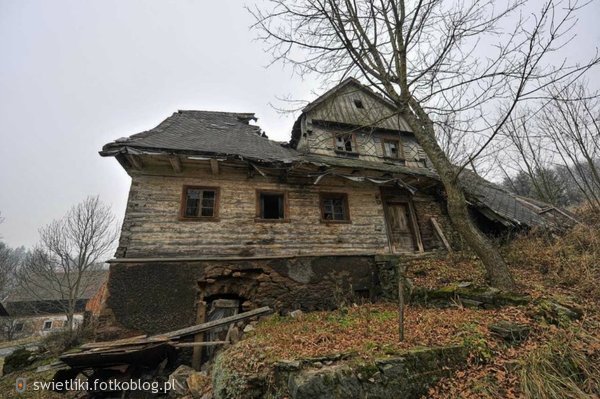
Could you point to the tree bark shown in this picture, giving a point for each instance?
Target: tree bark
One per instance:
(496, 270)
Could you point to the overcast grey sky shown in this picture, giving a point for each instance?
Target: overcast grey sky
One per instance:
(77, 74)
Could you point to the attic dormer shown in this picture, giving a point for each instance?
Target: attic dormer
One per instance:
(353, 121)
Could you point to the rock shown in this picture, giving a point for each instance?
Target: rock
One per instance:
(487, 297)
(558, 313)
(288, 365)
(470, 303)
(248, 328)
(199, 384)
(296, 314)
(234, 335)
(510, 332)
(180, 377)
(317, 365)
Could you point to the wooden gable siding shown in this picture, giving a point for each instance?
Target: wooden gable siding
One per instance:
(342, 109)
(151, 227)
(369, 145)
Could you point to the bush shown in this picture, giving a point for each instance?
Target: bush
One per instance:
(571, 260)
(18, 360)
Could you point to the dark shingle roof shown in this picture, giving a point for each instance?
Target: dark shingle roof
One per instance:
(41, 289)
(223, 133)
(509, 208)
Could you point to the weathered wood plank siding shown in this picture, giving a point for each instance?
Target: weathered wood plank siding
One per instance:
(152, 227)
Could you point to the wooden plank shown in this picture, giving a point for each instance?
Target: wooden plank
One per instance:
(199, 344)
(124, 341)
(199, 338)
(176, 163)
(214, 166)
(135, 161)
(415, 225)
(217, 323)
(440, 234)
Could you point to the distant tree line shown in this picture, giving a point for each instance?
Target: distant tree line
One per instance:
(553, 153)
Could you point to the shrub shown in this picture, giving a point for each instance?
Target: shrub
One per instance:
(18, 360)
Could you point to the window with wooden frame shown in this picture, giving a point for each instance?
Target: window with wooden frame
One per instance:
(344, 142)
(271, 206)
(47, 325)
(199, 203)
(393, 149)
(334, 208)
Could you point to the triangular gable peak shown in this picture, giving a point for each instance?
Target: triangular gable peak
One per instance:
(352, 103)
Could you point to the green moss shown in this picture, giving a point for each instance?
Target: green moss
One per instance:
(366, 369)
(227, 382)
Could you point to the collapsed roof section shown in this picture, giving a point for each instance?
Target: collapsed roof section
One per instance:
(204, 133)
(509, 209)
(209, 135)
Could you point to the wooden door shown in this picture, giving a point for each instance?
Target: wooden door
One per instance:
(400, 229)
(219, 309)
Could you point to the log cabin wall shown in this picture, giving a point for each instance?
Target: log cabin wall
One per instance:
(152, 227)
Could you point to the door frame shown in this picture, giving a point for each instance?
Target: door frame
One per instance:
(388, 197)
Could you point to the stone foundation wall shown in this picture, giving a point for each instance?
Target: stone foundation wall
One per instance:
(157, 297)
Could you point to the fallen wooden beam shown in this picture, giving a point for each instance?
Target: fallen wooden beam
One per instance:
(215, 323)
(440, 234)
(196, 344)
(138, 340)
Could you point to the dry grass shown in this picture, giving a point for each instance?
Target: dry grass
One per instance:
(567, 366)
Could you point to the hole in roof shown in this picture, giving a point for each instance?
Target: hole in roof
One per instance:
(358, 103)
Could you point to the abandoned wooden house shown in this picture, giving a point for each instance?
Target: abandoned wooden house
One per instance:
(216, 210)
(38, 307)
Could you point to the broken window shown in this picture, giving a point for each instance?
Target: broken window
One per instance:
(199, 202)
(392, 149)
(19, 327)
(358, 104)
(271, 205)
(334, 207)
(47, 324)
(344, 143)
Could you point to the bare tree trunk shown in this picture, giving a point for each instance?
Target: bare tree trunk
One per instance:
(496, 269)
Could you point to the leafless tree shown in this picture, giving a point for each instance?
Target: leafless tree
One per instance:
(8, 266)
(532, 158)
(475, 60)
(554, 153)
(71, 250)
(572, 123)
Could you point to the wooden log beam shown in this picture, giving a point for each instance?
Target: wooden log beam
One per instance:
(216, 323)
(415, 224)
(214, 166)
(175, 163)
(135, 161)
(440, 234)
(199, 344)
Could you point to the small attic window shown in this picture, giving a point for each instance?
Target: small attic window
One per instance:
(358, 103)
